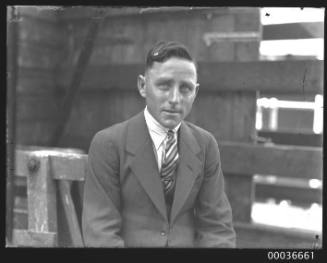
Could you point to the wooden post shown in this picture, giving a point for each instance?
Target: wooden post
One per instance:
(70, 213)
(41, 195)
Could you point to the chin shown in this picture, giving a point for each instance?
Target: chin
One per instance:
(170, 124)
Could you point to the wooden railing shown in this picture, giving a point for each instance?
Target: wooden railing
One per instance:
(51, 173)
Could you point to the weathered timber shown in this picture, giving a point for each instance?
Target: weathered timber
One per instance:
(41, 194)
(37, 132)
(262, 236)
(285, 161)
(279, 160)
(32, 55)
(79, 69)
(70, 213)
(293, 31)
(68, 166)
(37, 81)
(37, 108)
(47, 14)
(28, 238)
(292, 138)
(303, 196)
(78, 14)
(301, 77)
(240, 192)
(36, 28)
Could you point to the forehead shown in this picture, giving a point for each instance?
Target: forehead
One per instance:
(173, 67)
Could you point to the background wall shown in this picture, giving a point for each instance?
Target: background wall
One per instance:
(51, 40)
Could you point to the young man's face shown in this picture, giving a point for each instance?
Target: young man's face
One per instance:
(169, 89)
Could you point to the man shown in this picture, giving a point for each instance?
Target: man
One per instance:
(155, 180)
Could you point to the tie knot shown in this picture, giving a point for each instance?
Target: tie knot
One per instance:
(170, 134)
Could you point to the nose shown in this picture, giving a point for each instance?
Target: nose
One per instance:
(174, 95)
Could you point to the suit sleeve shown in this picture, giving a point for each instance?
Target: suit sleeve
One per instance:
(101, 219)
(214, 226)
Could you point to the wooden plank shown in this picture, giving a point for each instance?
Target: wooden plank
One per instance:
(292, 138)
(299, 77)
(247, 19)
(229, 116)
(118, 105)
(41, 194)
(21, 160)
(304, 196)
(37, 108)
(34, 133)
(70, 213)
(77, 14)
(24, 153)
(28, 238)
(37, 30)
(279, 160)
(293, 31)
(38, 56)
(281, 76)
(240, 193)
(35, 81)
(47, 14)
(270, 237)
(68, 166)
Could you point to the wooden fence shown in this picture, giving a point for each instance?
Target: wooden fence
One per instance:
(231, 79)
(55, 188)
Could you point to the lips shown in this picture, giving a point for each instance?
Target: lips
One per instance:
(172, 111)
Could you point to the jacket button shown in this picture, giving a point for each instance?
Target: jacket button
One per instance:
(162, 233)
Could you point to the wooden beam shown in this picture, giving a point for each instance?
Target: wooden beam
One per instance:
(271, 76)
(70, 213)
(292, 138)
(279, 160)
(41, 194)
(298, 77)
(68, 166)
(293, 31)
(298, 196)
(263, 236)
(78, 14)
(245, 158)
(240, 191)
(65, 163)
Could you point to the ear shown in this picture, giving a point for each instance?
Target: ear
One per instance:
(141, 85)
(196, 89)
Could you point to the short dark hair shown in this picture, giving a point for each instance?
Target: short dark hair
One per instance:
(163, 50)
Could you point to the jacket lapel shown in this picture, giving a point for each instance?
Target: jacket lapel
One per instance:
(189, 167)
(143, 161)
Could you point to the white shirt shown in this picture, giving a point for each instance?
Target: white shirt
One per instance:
(158, 134)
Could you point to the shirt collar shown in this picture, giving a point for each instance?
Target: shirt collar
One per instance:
(157, 132)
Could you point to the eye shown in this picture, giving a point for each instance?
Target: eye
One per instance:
(185, 88)
(165, 85)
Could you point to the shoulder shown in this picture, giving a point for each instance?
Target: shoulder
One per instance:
(113, 134)
(203, 136)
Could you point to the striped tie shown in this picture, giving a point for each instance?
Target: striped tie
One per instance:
(169, 163)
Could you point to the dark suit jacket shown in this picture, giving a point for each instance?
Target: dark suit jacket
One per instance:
(124, 203)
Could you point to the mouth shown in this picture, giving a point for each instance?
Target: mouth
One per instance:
(172, 111)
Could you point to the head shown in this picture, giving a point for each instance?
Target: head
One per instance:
(169, 84)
